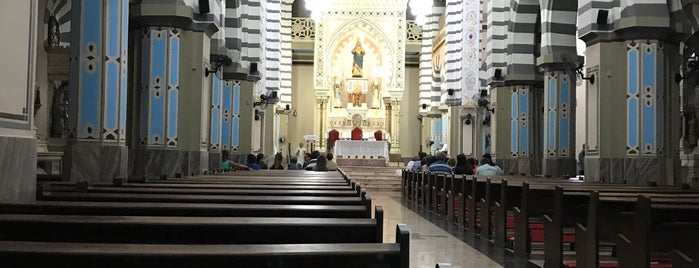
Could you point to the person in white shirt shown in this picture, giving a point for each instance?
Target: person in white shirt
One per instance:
(300, 153)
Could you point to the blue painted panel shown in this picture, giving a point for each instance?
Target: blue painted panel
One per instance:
(552, 117)
(145, 61)
(226, 98)
(648, 106)
(111, 96)
(564, 125)
(157, 86)
(215, 114)
(438, 133)
(660, 102)
(632, 122)
(632, 77)
(173, 73)
(236, 99)
(236, 119)
(124, 75)
(145, 94)
(172, 114)
(513, 136)
(90, 69)
(236, 130)
(524, 128)
(113, 33)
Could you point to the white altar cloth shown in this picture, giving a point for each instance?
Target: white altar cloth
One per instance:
(368, 149)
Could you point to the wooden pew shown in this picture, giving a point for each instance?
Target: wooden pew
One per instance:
(609, 215)
(190, 191)
(659, 227)
(681, 260)
(343, 255)
(185, 209)
(190, 230)
(190, 198)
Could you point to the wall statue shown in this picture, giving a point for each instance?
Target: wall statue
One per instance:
(358, 62)
(59, 112)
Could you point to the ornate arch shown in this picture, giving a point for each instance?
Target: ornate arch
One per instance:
(376, 41)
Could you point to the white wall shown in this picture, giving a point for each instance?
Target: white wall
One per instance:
(303, 104)
(409, 125)
(15, 72)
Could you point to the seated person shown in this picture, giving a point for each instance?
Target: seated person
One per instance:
(463, 166)
(313, 161)
(488, 168)
(321, 164)
(306, 159)
(294, 165)
(277, 161)
(440, 166)
(252, 162)
(414, 164)
(261, 161)
(332, 165)
(228, 165)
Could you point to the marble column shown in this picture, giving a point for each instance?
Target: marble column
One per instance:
(96, 149)
(559, 125)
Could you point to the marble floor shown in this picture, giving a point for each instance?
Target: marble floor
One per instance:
(429, 243)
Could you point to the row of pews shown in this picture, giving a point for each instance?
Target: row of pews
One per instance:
(241, 219)
(571, 221)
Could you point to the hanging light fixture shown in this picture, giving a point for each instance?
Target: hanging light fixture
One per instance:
(420, 9)
(318, 8)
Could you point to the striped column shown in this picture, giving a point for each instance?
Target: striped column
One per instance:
(272, 41)
(462, 50)
(644, 98)
(285, 61)
(250, 20)
(233, 31)
(521, 58)
(558, 29)
(98, 80)
(159, 86)
(497, 22)
(454, 52)
(429, 30)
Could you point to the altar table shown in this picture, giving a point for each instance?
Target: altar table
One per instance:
(361, 149)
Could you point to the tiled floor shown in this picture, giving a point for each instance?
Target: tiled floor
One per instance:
(429, 244)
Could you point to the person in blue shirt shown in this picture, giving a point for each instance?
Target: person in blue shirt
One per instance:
(440, 165)
(252, 162)
(294, 165)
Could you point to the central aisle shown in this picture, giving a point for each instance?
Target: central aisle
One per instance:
(428, 244)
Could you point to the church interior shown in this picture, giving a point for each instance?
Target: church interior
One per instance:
(567, 129)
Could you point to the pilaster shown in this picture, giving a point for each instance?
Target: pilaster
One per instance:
(96, 148)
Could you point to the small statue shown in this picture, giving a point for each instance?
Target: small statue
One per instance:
(37, 101)
(338, 95)
(358, 63)
(54, 38)
(59, 112)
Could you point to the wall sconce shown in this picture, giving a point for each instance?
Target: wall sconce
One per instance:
(424, 106)
(217, 61)
(468, 119)
(450, 92)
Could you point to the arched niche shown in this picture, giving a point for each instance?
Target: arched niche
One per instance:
(376, 44)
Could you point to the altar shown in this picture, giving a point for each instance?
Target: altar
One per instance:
(361, 153)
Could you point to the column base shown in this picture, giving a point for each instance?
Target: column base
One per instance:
(214, 161)
(18, 165)
(560, 167)
(95, 161)
(156, 162)
(520, 166)
(635, 171)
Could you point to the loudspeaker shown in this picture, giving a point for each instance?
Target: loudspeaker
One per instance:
(602, 15)
(204, 7)
(450, 92)
(253, 67)
(498, 74)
